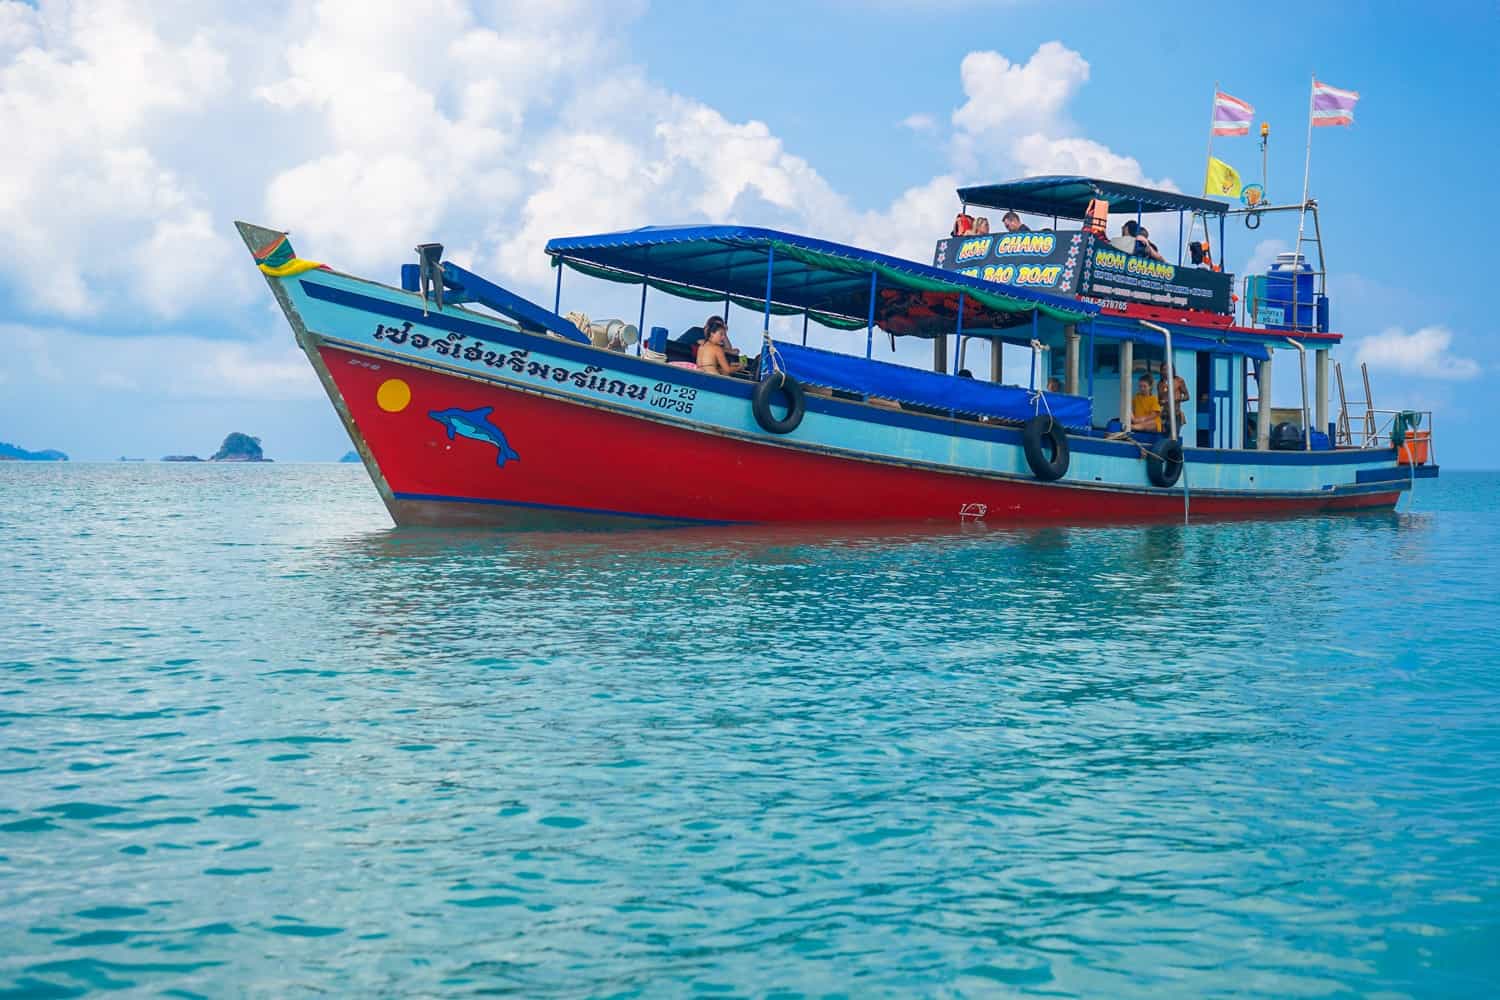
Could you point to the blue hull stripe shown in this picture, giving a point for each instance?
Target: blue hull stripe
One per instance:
(438, 498)
(736, 388)
(1395, 474)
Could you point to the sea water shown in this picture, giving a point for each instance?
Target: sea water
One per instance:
(256, 742)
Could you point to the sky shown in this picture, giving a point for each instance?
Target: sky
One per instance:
(133, 323)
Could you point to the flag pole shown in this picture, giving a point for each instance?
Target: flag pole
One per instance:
(1213, 107)
(1307, 164)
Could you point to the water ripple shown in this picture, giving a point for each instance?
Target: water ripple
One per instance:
(266, 745)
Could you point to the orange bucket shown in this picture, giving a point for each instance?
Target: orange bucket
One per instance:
(1413, 450)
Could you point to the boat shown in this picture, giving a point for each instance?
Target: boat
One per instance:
(469, 403)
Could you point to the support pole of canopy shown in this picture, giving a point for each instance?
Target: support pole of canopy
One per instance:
(770, 270)
(1306, 416)
(1179, 238)
(940, 354)
(958, 354)
(1221, 241)
(640, 328)
(870, 324)
(1320, 361)
(557, 296)
(1034, 352)
(804, 328)
(1093, 362)
(1263, 403)
(1070, 372)
(1127, 391)
(997, 360)
(1170, 376)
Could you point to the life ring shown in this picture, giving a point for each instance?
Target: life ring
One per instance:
(1164, 464)
(1040, 436)
(796, 403)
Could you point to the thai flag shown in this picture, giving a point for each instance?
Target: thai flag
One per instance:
(1231, 115)
(1332, 106)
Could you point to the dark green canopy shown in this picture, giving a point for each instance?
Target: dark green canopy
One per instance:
(830, 281)
(1068, 197)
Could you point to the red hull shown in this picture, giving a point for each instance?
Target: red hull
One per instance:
(580, 464)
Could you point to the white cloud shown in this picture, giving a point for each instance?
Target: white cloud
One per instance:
(1004, 95)
(1424, 353)
(271, 367)
(1039, 154)
(1263, 256)
(82, 204)
(1016, 117)
(920, 123)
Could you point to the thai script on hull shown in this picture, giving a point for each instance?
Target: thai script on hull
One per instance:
(518, 361)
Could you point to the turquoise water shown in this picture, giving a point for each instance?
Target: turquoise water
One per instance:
(253, 741)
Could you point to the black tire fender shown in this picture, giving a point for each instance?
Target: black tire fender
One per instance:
(778, 383)
(1041, 435)
(1164, 463)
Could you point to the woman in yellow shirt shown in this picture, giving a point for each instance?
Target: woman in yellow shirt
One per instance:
(1145, 408)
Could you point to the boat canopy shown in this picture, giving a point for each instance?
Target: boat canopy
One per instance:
(1068, 197)
(836, 285)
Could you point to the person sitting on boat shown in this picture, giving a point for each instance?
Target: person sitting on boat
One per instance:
(713, 354)
(1013, 223)
(1145, 408)
(1133, 239)
(1143, 245)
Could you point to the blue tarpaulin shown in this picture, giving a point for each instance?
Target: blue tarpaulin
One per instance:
(929, 389)
(1181, 341)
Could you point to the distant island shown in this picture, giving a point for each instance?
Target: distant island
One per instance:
(237, 447)
(15, 453)
(350, 456)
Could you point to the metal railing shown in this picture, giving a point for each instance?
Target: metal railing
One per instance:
(1380, 424)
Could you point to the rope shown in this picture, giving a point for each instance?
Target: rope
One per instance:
(773, 356)
(1038, 396)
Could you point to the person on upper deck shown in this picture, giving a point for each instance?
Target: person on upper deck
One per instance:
(713, 354)
(1013, 223)
(1145, 408)
(1143, 245)
(1133, 239)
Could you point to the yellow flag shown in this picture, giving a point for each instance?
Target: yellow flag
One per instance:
(1223, 181)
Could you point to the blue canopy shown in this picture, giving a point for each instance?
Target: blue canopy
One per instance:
(1068, 197)
(1113, 330)
(929, 389)
(831, 281)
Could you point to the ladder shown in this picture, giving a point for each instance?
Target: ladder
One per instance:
(1344, 434)
(1316, 239)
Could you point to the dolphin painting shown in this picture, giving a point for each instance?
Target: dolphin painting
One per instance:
(475, 425)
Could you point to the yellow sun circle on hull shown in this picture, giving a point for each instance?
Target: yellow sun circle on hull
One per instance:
(393, 395)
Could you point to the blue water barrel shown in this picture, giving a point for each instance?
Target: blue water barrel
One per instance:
(1291, 274)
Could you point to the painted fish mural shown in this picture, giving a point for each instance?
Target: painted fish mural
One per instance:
(476, 426)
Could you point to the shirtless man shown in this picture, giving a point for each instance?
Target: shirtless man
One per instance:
(711, 353)
(1180, 390)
